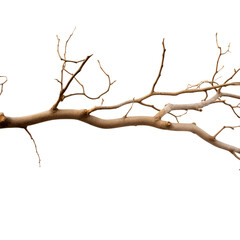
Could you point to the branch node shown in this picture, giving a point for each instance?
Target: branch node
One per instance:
(2, 117)
(168, 124)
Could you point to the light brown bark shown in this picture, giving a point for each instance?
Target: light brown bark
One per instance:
(156, 121)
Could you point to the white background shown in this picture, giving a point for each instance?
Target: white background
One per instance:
(128, 183)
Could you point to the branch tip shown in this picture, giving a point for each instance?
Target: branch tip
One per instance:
(161, 67)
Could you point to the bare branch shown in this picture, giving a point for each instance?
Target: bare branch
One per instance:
(233, 75)
(189, 106)
(195, 90)
(65, 50)
(35, 145)
(232, 107)
(161, 67)
(178, 116)
(149, 105)
(224, 127)
(2, 83)
(84, 92)
(129, 109)
(217, 70)
(63, 90)
(235, 155)
(86, 115)
(231, 95)
(82, 115)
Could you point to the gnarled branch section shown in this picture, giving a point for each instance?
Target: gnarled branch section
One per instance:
(211, 88)
(82, 115)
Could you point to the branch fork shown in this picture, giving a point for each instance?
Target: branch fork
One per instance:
(87, 115)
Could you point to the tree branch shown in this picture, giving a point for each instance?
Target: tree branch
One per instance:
(5, 79)
(35, 145)
(86, 115)
(81, 115)
(161, 68)
(63, 90)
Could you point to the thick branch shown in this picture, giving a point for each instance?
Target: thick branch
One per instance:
(189, 106)
(85, 115)
(24, 122)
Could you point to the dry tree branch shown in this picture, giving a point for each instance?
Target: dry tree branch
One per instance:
(83, 88)
(74, 76)
(87, 115)
(63, 90)
(129, 109)
(35, 145)
(161, 68)
(178, 116)
(232, 107)
(224, 127)
(65, 61)
(1, 84)
(235, 155)
(217, 70)
(65, 50)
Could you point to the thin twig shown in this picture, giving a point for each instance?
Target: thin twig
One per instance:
(235, 155)
(161, 67)
(178, 116)
(63, 90)
(232, 107)
(83, 88)
(30, 135)
(1, 84)
(129, 109)
(65, 50)
(149, 105)
(217, 70)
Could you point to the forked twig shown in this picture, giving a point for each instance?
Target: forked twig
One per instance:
(153, 121)
(65, 50)
(224, 127)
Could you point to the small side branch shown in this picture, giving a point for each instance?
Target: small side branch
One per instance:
(235, 155)
(232, 107)
(161, 67)
(63, 90)
(129, 109)
(224, 127)
(35, 145)
(1, 84)
(83, 88)
(221, 53)
(178, 116)
(205, 87)
(65, 50)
